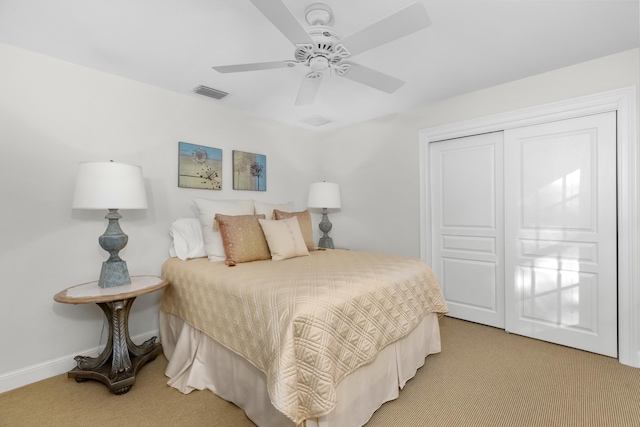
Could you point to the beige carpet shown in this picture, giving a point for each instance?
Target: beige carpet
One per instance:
(483, 377)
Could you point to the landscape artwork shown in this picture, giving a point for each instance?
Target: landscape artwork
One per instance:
(199, 167)
(249, 171)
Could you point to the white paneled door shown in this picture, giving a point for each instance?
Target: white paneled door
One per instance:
(523, 229)
(467, 226)
(560, 228)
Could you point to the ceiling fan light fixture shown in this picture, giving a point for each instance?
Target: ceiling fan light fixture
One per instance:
(319, 64)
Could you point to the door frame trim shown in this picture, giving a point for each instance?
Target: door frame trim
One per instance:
(623, 101)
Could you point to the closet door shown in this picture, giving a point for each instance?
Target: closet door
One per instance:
(467, 226)
(560, 227)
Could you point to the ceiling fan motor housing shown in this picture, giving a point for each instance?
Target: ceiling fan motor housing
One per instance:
(326, 50)
(324, 39)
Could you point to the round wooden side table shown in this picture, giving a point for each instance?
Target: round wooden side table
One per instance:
(121, 359)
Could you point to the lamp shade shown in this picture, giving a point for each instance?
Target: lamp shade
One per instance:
(324, 195)
(109, 185)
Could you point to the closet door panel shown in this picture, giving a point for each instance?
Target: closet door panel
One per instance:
(560, 228)
(467, 215)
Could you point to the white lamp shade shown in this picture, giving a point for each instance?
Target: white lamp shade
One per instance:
(109, 185)
(324, 195)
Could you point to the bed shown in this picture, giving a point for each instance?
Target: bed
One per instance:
(319, 339)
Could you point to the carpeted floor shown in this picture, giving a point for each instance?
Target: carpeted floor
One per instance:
(482, 377)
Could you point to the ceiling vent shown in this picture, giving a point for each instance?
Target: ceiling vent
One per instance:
(210, 92)
(316, 120)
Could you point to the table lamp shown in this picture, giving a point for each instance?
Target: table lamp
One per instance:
(324, 195)
(111, 186)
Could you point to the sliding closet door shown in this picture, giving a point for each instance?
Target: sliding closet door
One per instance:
(467, 215)
(560, 227)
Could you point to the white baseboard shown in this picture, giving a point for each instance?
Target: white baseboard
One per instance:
(51, 368)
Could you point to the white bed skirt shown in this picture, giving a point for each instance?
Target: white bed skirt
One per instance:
(197, 361)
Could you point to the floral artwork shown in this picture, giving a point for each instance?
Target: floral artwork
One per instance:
(249, 171)
(199, 167)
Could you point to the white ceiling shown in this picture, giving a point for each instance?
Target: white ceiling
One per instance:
(172, 44)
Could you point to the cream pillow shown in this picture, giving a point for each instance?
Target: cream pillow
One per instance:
(284, 238)
(304, 219)
(266, 209)
(210, 232)
(243, 238)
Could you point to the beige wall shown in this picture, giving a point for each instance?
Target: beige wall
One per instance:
(53, 115)
(377, 162)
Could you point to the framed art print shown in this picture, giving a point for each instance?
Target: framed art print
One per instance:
(199, 167)
(249, 171)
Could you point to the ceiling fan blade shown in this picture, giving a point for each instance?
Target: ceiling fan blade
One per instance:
(308, 89)
(253, 67)
(400, 24)
(282, 18)
(375, 79)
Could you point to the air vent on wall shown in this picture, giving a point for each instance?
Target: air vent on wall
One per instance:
(316, 120)
(210, 92)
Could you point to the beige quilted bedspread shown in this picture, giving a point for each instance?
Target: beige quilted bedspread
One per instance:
(306, 322)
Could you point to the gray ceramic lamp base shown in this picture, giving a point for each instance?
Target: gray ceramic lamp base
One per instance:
(114, 270)
(326, 242)
(325, 226)
(114, 273)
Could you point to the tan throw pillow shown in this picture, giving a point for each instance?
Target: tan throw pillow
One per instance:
(284, 238)
(207, 210)
(242, 238)
(267, 208)
(304, 219)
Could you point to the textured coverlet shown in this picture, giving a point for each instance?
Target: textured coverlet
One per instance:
(306, 322)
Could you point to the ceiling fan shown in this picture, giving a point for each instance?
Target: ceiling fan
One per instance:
(320, 48)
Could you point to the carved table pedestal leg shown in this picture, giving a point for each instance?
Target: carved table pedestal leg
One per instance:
(121, 359)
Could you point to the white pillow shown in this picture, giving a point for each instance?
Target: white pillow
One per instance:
(284, 238)
(186, 239)
(266, 209)
(207, 212)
